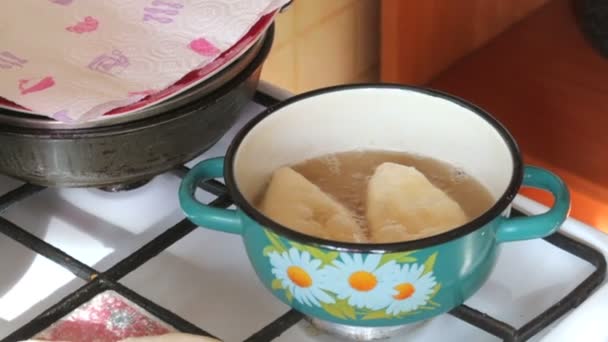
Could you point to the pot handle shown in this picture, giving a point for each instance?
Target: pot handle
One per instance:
(225, 220)
(538, 226)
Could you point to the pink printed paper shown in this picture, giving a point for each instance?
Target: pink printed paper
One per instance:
(83, 59)
(109, 317)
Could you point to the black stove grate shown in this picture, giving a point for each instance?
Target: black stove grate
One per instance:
(98, 282)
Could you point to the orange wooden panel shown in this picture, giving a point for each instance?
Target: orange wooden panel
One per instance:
(543, 80)
(421, 38)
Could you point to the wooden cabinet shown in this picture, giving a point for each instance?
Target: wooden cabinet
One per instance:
(420, 38)
(544, 81)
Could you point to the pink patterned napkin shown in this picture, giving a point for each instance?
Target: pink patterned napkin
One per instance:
(108, 317)
(74, 60)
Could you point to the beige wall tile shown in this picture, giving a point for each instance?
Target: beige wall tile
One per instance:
(368, 34)
(279, 68)
(320, 43)
(284, 28)
(325, 55)
(310, 12)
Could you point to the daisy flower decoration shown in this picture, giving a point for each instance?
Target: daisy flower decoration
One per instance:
(413, 289)
(301, 275)
(364, 282)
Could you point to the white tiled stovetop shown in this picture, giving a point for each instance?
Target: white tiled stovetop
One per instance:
(206, 277)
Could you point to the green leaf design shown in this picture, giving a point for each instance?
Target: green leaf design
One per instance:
(386, 258)
(288, 295)
(435, 291)
(427, 307)
(430, 263)
(274, 240)
(382, 314)
(333, 310)
(277, 284)
(269, 249)
(378, 314)
(405, 259)
(340, 309)
(402, 258)
(348, 310)
(326, 258)
(296, 245)
(405, 314)
(330, 257)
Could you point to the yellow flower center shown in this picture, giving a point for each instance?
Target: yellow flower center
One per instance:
(362, 281)
(298, 276)
(406, 290)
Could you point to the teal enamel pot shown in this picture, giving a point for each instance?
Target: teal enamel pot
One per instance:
(374, 285)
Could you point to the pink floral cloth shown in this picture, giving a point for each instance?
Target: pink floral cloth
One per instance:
(82, 59)
(108, 317)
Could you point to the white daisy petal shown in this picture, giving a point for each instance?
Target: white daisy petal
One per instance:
(428, 277)
(346, 259)
(294, 256)
(414, 289)
(387, 270)
(343, 294)
(380, 303)
(322, 296)
(315, 263)
(359, 280)
(285, 256)
(299, 296)
(276, 260)
(417, 272)
(305, 258)
(313, 299)
(357, 259)
(371, 262)
(300, 274)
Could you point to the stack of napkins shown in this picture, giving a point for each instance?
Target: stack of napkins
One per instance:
(74, 60)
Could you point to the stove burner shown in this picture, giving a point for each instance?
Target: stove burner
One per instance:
(125, 186)
(98, 282)
(362, 333)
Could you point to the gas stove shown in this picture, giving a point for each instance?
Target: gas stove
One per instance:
(60, 248)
